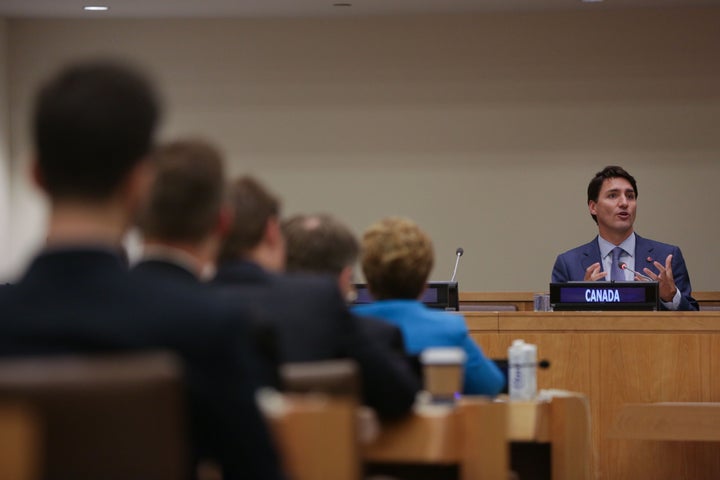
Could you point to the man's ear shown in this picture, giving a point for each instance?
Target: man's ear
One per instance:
(591, 206)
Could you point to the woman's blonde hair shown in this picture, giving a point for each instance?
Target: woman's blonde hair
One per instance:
(397, 257)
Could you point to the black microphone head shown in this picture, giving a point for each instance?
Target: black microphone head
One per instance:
(622, 265)
(459, 251)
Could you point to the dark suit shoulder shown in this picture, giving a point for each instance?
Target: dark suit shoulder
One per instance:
(648, 243)
(582, 249)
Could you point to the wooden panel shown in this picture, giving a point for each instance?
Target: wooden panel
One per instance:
(475, 435)
(496, 297)
(618, 358)
(571, 442)
(569, 356)
(424, 437)
(610, 321)
(692, 421)
(485, 452)
(529, 422)
(481, 321)
(523, 301)
(20, 443)
(703, 297)
(650, 368)
(317, 437)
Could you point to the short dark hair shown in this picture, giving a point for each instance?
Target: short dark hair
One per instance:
(595, 185)
(253, 206)
(93, 122)
(319, 244)
(187, 194)
(397, 257)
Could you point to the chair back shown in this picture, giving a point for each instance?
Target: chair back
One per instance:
(110, 417)
(315, 420)
(19, 442)
(338, 378)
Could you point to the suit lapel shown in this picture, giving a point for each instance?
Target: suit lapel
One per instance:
(643, 253)
(590, 254)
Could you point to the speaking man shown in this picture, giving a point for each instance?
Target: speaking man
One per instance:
(612, 201)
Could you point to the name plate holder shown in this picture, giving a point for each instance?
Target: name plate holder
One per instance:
(604, 296)
(437, 295)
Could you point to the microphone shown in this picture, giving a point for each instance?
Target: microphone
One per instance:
(623, 266)
(458, 254)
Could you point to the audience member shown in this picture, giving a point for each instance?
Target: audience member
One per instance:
(612, 201)
(311, 318)
(185, 216)
(94, 123)
(397, 257)
(321, 244)
(183, 222)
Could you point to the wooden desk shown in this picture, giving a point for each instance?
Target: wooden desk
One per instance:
(434, 436)
(523, 301)
(472, 435)
(620, 358)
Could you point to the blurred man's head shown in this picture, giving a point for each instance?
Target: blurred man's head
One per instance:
(254, 233)
(186, 207)
(93, 123)
(396, 257)
(188, 193)
(321, 244)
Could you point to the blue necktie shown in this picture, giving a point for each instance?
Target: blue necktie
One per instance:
(616, 273)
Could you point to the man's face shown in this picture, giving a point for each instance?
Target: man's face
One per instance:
(615, 208)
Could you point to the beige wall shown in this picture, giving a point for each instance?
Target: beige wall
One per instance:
(483, 128)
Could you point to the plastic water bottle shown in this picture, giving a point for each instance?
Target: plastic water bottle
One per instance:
(522, 370)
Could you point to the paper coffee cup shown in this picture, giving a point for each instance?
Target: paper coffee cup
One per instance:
(443, 370)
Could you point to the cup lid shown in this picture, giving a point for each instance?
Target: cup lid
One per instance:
(443, 356)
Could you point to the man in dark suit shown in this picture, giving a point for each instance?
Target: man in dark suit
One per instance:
(322, 245)
(183, 222)
(93, 125)
(311, 319)
(612, 201)
(185, 216)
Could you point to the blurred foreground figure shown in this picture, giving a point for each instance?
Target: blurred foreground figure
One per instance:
(310, 317)
(93, 124)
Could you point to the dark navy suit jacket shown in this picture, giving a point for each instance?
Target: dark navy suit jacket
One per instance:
(84, 301)
(165, 270)
(313, 323)
(571, 265)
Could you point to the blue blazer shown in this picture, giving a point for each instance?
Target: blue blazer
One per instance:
(571, 265)
(423, 328)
